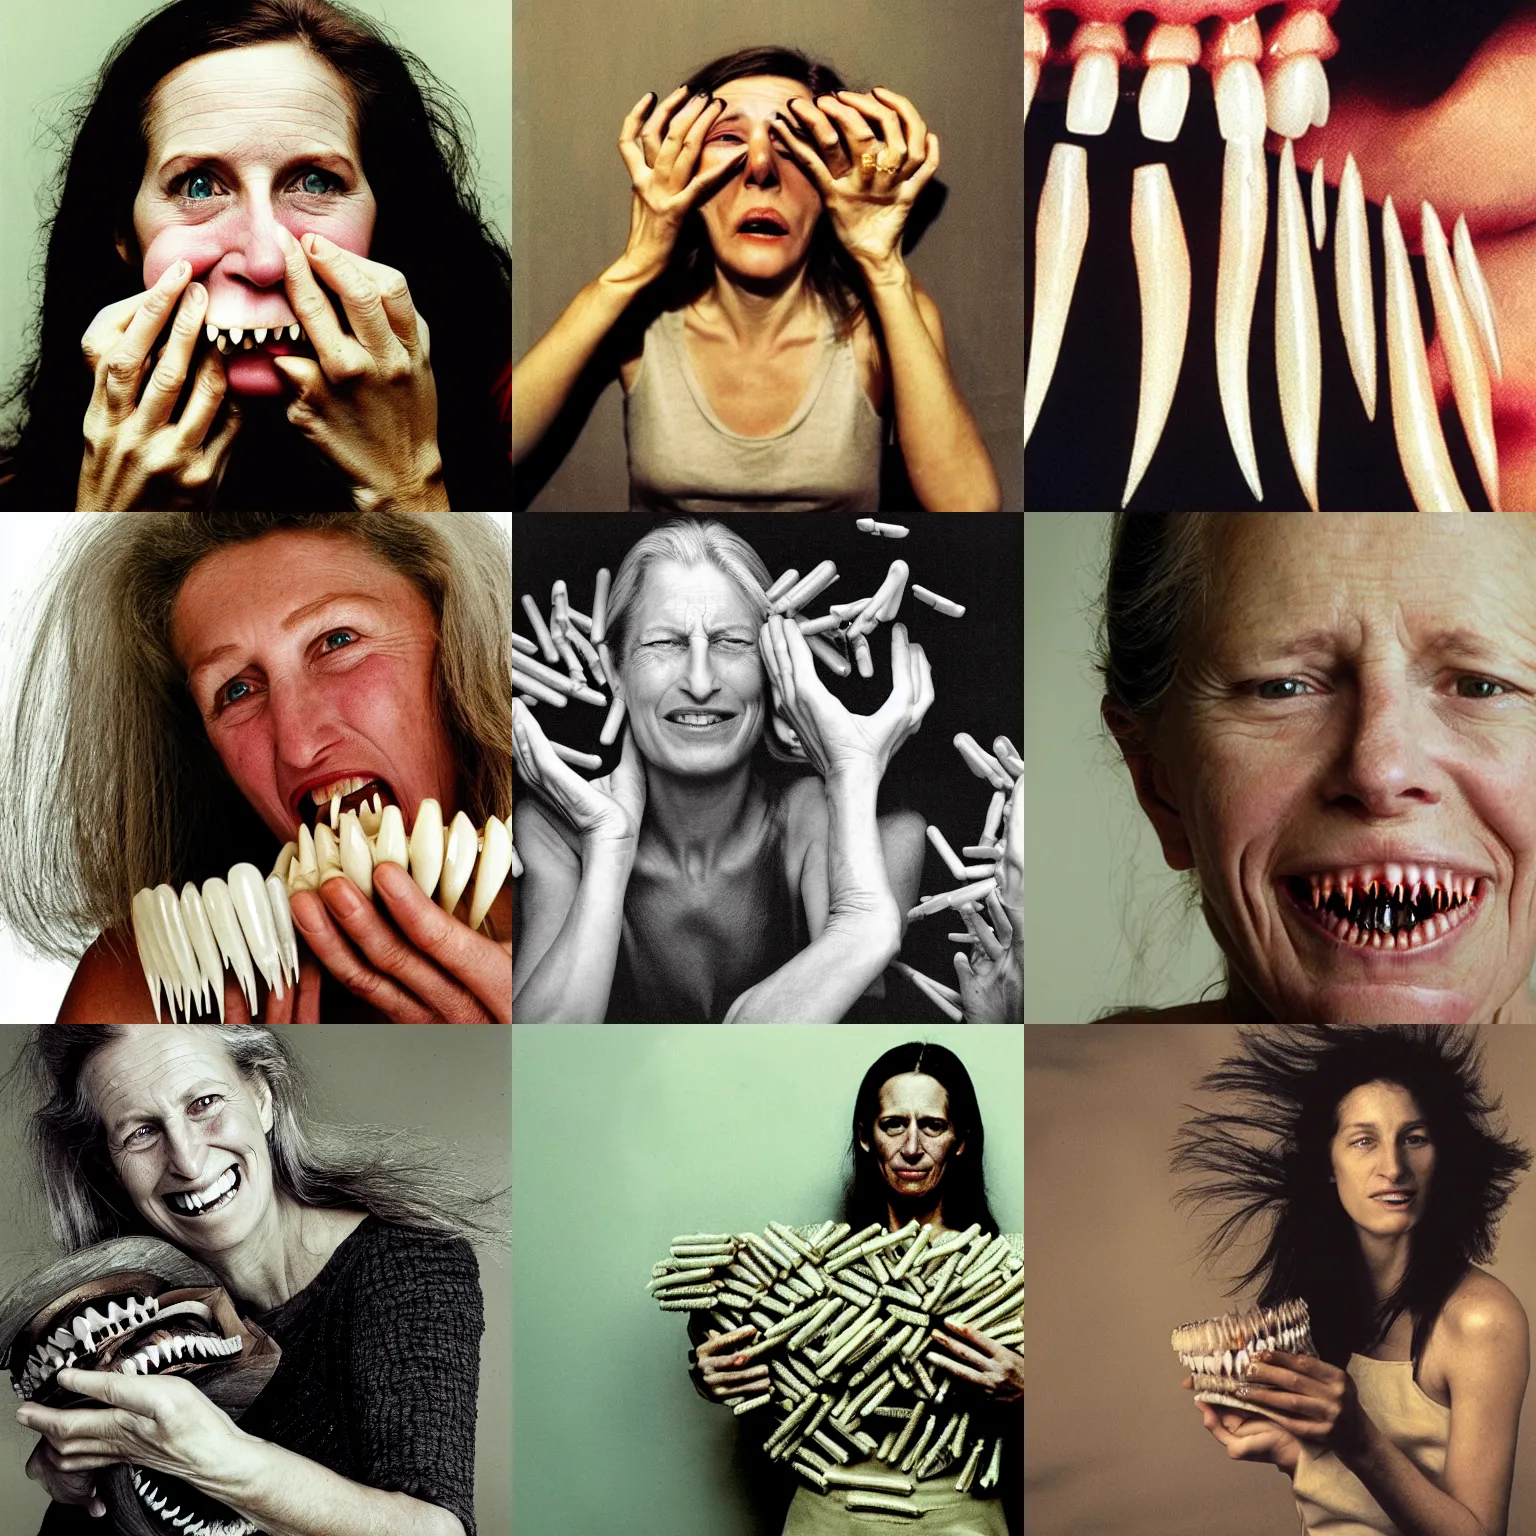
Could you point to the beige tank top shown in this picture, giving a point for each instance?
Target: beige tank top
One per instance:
(1332, 1501)
(684, 459)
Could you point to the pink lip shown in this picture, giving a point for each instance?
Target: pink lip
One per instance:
(297, 798)
(1179, 12)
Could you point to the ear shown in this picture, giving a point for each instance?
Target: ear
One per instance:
(264, 1103)
(124, 250)
(1153, 783)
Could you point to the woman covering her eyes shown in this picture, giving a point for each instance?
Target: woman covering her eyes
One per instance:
(268, 247)
(766, 330)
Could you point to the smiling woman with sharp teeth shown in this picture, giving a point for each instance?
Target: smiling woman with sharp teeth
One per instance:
(693, 882)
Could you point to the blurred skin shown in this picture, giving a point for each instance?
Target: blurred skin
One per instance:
(330, 672)
(1329, 717)
(241, 142)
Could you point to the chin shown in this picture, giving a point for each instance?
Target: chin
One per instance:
(1379, 1003)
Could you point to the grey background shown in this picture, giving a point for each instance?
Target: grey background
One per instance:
(581, 65)
(447, 1082)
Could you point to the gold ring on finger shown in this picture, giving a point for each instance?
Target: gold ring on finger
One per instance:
(870, 161)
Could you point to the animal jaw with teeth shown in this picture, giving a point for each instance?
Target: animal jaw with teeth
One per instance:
(1218, 1352)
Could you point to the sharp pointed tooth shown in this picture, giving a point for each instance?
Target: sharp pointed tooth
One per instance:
(327, 851)
(1469, 374)
(235, 333)
(293, 332)
(426, 848)
(1163, 101)
(458, 863)
(1061, 233)
(282, 922)
(285, 857)
(1474, 289)
(148, 942)
(212, 331)
(1162, 272)
(225, 922)
(389, 847)
(1036, 45)
(1420, 441)
(1240, 112)
(1356, 287)
(336, 811)
(1298, 345)
(1296, 96)
(174, 929)
(356, 858)
(1319, 204)
(249, 894)
(261, 334)
(495, 865)
(1244, 219)
(203, 943)
(306, 855)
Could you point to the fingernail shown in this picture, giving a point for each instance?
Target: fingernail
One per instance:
(198, 292)
(321, 246)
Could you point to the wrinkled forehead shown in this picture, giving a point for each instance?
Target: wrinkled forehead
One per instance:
(150, 1062)
(755, 98)
(914, 1093)
(266, 102)
(691, 597)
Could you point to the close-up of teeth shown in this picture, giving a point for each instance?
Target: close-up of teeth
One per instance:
(1395, 907)
(1218, 1351)
(1273, 80)
(243, 338)
(184, 943)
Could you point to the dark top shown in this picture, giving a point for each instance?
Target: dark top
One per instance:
(379, 1378)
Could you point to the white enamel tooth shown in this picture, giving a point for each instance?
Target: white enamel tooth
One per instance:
(1244, 220)
(212, 331)
(282, 922)
(1162, 272)
(249, 893)
(1319, 204)
(495, 865)
(261, 334)
(1061, 233)
(1240, 110)
(458, 862)
(1356, 287)
(129, 1367)
(1463, 354)
(305, 857)
(1298, 342)
(389, 846)
(426, 848)
(1096, 50)
(235, 333)
(336, 811)
(1296, 96)
(371, 817)
(327, 851)
(293, 332)
(225, 920)
(147, 940)
(356, 859)
(1474, 288)
(174, 929)
(203, 943)
(1037, 44)
(285, 857)
(1415, 420)
(1163, 101)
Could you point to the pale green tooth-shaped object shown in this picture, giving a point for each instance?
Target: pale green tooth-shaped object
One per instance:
(144, 936)
(203, 943)
(179, 947)
(458, 863)
(495, 865)
(427, 847)
(249, 893)
(327, 851)
(220, 907)
(356, 859)
(389, 846)
(282, 921)
(285, 859)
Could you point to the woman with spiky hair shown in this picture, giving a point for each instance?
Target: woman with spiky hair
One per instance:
(1370, 1158)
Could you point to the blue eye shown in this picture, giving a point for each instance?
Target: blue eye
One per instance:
(1281, 688)
(326, 180)
(227, 694)
(194, 179)
(350, 637)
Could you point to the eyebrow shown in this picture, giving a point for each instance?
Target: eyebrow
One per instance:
(1371, 1125)
(294, 619)
(652, 631)
(191, 157)
(1467, 641)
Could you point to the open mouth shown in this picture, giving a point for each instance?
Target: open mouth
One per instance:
(763, 223)
(699, 719)
(277, 340)
(353, 792)
(1394, 908)
(1397, 1199)
(192, 1206)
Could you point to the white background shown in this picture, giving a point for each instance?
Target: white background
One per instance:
(32, 989)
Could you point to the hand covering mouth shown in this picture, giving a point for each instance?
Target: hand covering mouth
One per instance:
(328, 798)
(762, 221)
(699, 718)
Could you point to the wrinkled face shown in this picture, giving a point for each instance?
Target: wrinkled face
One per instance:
(1350, 764)
(1383, 1159)
(240, 142)
(186, 1135)
(912, 1138)
(761, 221)
(312, 664)
(693, 681)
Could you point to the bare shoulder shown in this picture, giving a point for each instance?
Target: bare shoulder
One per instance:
(109, 985)
(1483, 1313)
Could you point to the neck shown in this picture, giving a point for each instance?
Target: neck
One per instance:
(1520, 1009)
(758, 312)
(694, 818)
(1386, 1261)
(278, 1260)
(899, 1212)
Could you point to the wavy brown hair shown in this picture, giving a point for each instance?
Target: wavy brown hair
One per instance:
(108, 782)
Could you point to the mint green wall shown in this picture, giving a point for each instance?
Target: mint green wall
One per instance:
(624, 1137)
(48, 51)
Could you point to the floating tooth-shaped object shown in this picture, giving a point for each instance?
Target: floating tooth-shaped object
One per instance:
(1061, 233)
(1298, 341)
(1164, 98)
(261, 334)
(1096, 49)
(615, 718)
(305, 859)
(147, 941)
(1037, 44)
(212, 331)
(1463, 356)
(235, 335)
(458, 862)
(495, 863)
(1319, 204)
(293, 333)
(426, 847)
(179, 948)
(282, 923)
(1244, 219)
(285, 858)
(223, 343)
(1162, 272)
(249, 893)
(220, 907)
(355, 855)
(1355, 285)
(1474, 288)
(389, 847)
(327, 851)
(1420, 441)
(210, 962)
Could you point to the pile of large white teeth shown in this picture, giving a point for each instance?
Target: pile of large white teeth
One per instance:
(184, 944)
(84, 1333)
(235, 338)
(1218, 1351)
(173, 1518)
(1287, 98)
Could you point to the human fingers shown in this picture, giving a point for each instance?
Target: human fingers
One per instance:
(630, 149)
(62, 1486)
(395, 296)
(915, 129)
(785, 680)
(312, 916)
(657, 120)
(474, 960)
(718, 1342)
(892, 131)
(170, 373)
(855, 129)
(1007, 754)
(1000, 922)
(925, 171)
(362, 297)
(686, 136)
(993, 944)
(985, 1346)
(925, 695)
(823, 131)
(955, 1368)
(706, 183)
(108, 327)
(210, 388)
(962, 1349)
(339, 355)
(1298, 1373)
(745, 1383)
(808, 159)
(125, 362)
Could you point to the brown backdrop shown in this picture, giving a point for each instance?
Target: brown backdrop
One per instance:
(1113, 1445)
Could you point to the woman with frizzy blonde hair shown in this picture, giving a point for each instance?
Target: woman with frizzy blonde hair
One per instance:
(198, 686)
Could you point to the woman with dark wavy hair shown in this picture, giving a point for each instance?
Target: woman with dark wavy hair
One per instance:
(1370, 1157)
(762, 320)
(264, 203)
